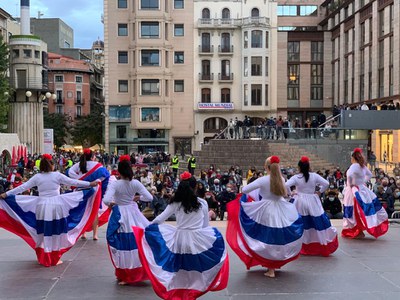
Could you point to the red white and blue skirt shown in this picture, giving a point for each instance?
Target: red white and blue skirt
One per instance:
(50, 225)
(363, 211)
(183, 264)
(266, 233)
(122, 244)
(320, 237)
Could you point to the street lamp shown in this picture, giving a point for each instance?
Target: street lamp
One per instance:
(28, 94)
(292, 77)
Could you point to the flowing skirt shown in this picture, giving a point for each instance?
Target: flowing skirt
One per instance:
(183, 264)
(320, 237)
(122, 244)
(363, 211)
(50, 225)
(267, 232)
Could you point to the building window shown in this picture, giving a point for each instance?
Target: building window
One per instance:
(391, 18)
(78, 79)
(317, 75)
(382, 23)
(256, 39)
(121, 132)
(266, 66)
(150, 30)
(122, 3)
(362, 34)
(205, 13)
(246, 94)
(79, 111)
(27, 53)
(179, 30)
(255, 13)
(266, 39)
(37, 54)
(308, 10)
(122, 86)
(205, 70)
(225, 95)
(122, 29)
(179, 57)
(179, 4)
(256, 94)
(225, 42)
(179, 86)
(256, 66)
(79, 97)
(293, 51)
(15, 53)
(245, 66)
(226, 14)
(205, 42)
(59, 78)
(59, 109)
(317, 51)
(266, 94)
(245, 40)
(225, 69)
(150, 57)
(149, 4)
(293, 82)
(60, 97)
(122, 57)
(150, 87)
(206, 95)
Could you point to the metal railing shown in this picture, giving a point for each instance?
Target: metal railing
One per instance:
(225, 77)
(206, 77)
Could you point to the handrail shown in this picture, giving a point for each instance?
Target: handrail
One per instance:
(329, 119)
(221, 133)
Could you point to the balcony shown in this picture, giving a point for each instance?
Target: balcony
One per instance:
(225, 77)
(28, 83)
(79, 101)
(225, 50)
(206, 50)
(218, 23)
(206, 77)
(59, 101)
(263, 21)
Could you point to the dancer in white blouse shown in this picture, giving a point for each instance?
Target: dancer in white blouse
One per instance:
(186, 261)
(122, 195)
(362, 209)
(320, 237)
(266, 231)
(50, 223)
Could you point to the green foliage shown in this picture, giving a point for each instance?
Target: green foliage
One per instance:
(88, 129)
(58, 122)
(4, 83)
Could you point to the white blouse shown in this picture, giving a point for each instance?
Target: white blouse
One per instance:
(48, 184)
(357, 175)
(75, 172)
(264, 184)
(308, 187)
(122, 192)
(194, 220)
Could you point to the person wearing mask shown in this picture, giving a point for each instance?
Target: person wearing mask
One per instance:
(226, 196)
(11, 177)
(385, 196)
(320, 237)
(21, 166)
(263, 228)
(332, 205)
(189, 260)
(89, 169)
(50, 223)
(122, 197)
(362, 209)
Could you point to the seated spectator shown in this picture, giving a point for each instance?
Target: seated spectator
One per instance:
(333, 206)
(385, 196)
(223, 198)
(212, 206)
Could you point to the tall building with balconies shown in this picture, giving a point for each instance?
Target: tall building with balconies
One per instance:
(148, 75)
(235, 63)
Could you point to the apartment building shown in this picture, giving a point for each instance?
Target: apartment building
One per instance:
(149, 75)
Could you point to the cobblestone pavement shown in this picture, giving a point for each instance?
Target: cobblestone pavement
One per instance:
(360, 269)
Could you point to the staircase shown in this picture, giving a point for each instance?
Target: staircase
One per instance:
(246, 153)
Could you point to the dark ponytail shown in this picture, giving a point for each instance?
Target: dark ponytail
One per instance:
(186, 197)
(46, 165)
(125, 169)
(359, 158)
(85, 157)
(304, 169)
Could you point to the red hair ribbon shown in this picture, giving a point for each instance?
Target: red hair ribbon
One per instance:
(274, 159)
(125, 157)
(359, 150)
(185, 175)
(304, 159)
(87, 151)
(47, 156)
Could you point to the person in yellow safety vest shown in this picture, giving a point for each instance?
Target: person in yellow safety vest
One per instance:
(175, 165)
(70, 163)
(37, 162)
(191, 164)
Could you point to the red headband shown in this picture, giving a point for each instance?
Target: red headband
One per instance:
(274, 159)
(87, 151)
(185, 175)
(359, 150)
(304, 159)
(47, 156)
(125, 157)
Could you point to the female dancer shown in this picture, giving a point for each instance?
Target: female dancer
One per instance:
(320, 237)
(186, 261)
(89, 169)
(362, 209)
(267, 231)
(122, 196)
(50, 223)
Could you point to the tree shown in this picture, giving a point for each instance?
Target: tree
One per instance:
(57, 122)
(88, 129)
(4, 83)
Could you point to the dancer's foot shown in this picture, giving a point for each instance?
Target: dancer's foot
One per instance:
(270, 273)
(122, 283)
(95, 238)
(83, 237)
(360, 235)
(59, 262)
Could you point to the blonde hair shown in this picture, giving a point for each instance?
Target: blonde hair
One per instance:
(276, 183)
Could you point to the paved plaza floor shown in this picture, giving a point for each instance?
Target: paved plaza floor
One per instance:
(360, 269)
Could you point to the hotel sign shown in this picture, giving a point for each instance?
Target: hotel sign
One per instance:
(218, 106)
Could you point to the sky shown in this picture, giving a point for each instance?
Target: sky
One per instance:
(83, 16)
